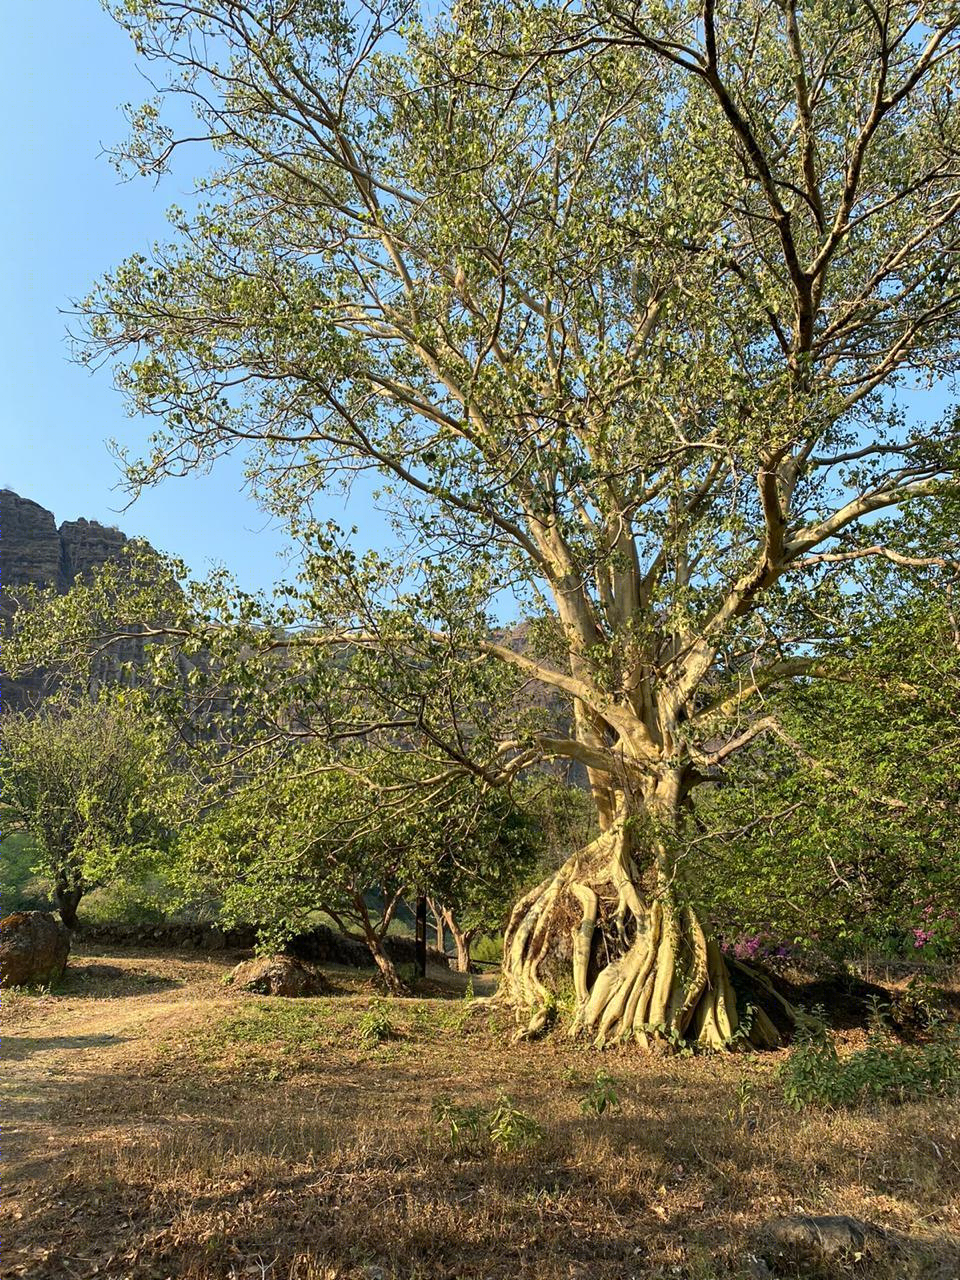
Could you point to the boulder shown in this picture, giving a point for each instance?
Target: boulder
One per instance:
(824, 1237)
(279, 976)
(34, 946)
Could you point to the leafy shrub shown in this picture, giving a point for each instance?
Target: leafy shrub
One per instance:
(744, 1099)
(464, 1126)
(487, 949)
(375, 1025)
(469, 1128)
(509, 1127)
(601, 1094)
(884, 1071)
(919, 1006)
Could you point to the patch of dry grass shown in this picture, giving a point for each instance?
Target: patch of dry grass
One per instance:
(247, 1137)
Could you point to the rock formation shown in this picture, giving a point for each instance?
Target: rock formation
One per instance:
(34, 551)
(279, 976)
(34, 946)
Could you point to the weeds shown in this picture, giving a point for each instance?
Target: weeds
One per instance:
(464, 1126)
(375, 1026)
(744, 1097)
(510, 1128)
(885, 1071)
(601, 1094)
(504, 1127)
(919, 1006)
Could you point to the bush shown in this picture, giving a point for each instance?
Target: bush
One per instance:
(885, 1071)
(469, 1128)
(601, 1094)
(487, 949)
(375, 1025)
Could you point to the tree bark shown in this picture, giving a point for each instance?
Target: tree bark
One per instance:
(462, 939)
(438, 924)
(374, 939)
(611, 935)
(68, 900)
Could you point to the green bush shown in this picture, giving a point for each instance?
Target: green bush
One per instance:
(375, 1025)
(487, 949)
(470, 1128)
(885, 1071)
(601, 1094)
(463, 1126)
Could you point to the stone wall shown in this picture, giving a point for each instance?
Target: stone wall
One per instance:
(321, 944)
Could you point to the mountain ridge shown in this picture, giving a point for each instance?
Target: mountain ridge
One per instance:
(36, 551)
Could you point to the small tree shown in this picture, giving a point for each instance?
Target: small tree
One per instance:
(90, 785)
(487, 865)
(349, 835)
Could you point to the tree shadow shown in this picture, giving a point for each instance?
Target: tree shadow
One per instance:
(92, 978)
(361, 1182)
(19, 1048)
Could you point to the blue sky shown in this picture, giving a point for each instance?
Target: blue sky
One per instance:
(66, 71)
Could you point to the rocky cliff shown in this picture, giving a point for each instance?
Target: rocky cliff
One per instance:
(34, 550)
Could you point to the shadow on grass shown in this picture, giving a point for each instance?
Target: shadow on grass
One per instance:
(318, 1180)
(93, 978)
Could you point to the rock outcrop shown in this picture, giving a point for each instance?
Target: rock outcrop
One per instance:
(34, 946)
(804, 1238)
(84, 546)
(33, 551)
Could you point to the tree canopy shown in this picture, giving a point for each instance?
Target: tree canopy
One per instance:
(93, 789)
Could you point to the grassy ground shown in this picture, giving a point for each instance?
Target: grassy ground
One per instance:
(158, 1124)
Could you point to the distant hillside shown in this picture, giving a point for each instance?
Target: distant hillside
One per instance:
(34, 550)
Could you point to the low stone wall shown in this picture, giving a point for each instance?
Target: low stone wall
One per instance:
(321, 944)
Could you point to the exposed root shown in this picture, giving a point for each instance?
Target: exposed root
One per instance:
(643, 974)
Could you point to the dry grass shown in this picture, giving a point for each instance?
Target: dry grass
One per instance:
(162, 1126)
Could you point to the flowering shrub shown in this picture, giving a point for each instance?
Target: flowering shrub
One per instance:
(939, 929)
(757, 946)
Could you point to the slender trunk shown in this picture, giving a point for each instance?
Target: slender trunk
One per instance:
(389, 910)
(437, 912)
(614, 925)
(462, 939)
(68, 899)
(374, 939)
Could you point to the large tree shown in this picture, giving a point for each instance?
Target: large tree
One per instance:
(616, 304)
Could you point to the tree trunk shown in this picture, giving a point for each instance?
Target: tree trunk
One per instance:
(437, 913)
(388, 972)
(626, 951)
(463, 950)
(462, 939)
(67, 902)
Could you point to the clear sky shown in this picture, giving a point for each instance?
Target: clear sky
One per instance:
(65, 71)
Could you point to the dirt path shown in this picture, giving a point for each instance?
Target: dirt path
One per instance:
(105, 1011)
(93, 1025)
